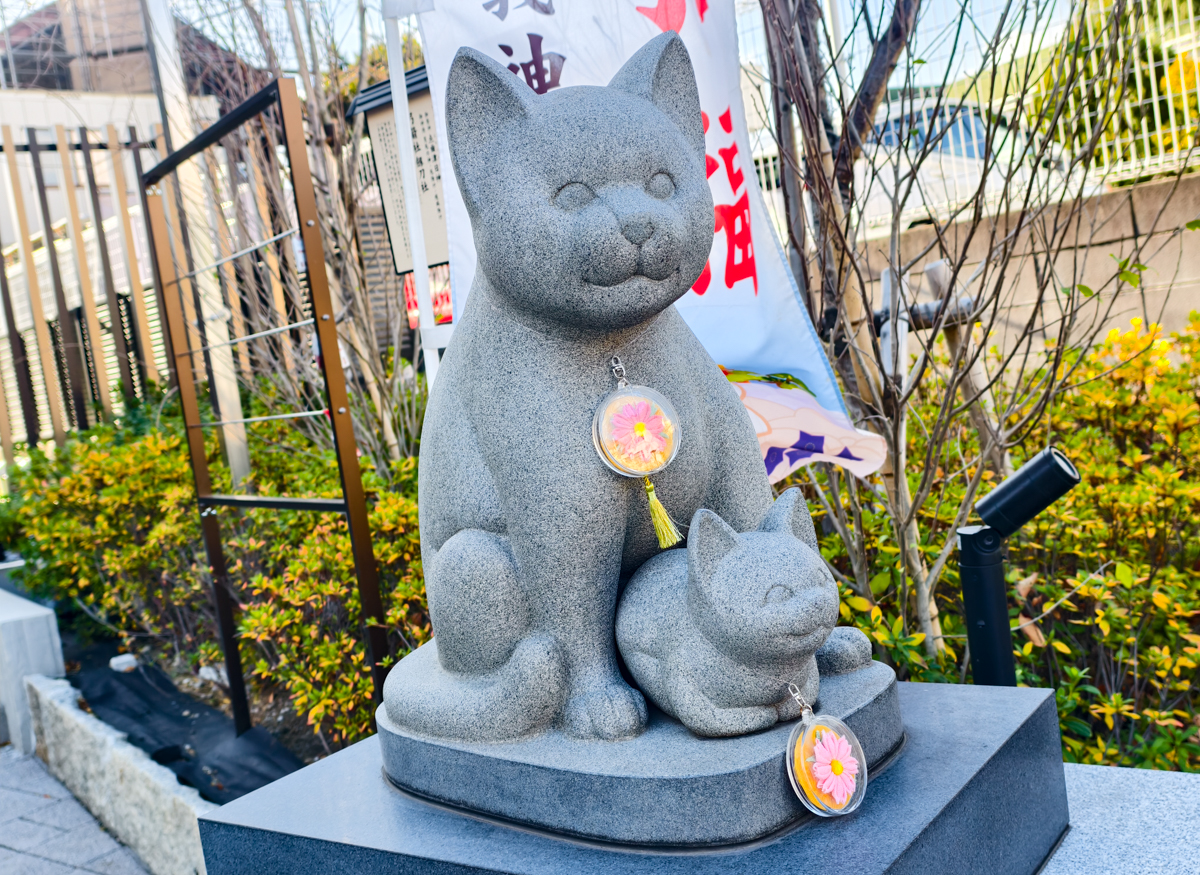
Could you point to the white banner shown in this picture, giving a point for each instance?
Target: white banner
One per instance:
(745, 307)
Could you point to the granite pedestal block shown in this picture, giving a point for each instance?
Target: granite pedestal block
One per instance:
(667, 787)
(979, 787)
(29, 644)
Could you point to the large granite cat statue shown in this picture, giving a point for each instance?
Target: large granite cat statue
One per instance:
(592, 215)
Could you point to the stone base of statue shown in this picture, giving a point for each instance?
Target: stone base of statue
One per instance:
(978, 787)
(667, 787)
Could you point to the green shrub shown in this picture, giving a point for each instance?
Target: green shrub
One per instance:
(110, 524)
(1105, 585)
(307, 620)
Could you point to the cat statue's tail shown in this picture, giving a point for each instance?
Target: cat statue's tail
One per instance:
(486, 676)
(518, 699)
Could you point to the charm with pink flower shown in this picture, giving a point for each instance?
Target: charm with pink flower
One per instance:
(826, 765)
(636, 431)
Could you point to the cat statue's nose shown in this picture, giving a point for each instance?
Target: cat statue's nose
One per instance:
(637, 231)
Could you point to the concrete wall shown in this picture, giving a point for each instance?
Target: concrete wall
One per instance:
(1111, 224)
(29, 644)
(137, 800)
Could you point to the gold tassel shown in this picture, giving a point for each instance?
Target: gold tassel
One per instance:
(664, 526)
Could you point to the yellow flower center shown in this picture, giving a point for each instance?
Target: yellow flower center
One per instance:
(639, 428)
(836, 767)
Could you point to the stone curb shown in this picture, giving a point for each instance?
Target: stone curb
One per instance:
(139, 801)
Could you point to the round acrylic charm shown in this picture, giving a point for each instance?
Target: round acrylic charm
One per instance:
(826, 765)
(636, 431)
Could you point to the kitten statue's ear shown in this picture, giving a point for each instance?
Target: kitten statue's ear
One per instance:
(710, 539)
(483, 101)
(790, 514)
(661, 72)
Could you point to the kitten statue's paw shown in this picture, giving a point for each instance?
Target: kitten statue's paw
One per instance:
(846, 649)
(612, 711)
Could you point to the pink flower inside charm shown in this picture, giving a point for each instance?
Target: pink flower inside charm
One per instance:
(835, 767)
(638, 430)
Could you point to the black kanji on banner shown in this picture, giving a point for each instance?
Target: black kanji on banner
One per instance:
(499, 8)
(542, 71)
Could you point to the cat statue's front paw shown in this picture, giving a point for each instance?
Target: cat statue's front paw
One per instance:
(846, 649)
(610, 711)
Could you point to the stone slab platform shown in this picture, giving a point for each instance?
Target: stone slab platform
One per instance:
(978, 788)
(1129, 822)
(665, 788)
(29, 644)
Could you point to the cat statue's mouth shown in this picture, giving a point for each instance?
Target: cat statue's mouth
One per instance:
(636, 276)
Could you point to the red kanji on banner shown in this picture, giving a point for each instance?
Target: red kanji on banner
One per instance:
(739, 258)
(668, 14)
(735, 175)
(733, 219)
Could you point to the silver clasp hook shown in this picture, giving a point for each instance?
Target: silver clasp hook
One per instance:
(618, 370)
(805, 708)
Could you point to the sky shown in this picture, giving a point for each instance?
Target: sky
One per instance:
(947, 49)
(950, 33)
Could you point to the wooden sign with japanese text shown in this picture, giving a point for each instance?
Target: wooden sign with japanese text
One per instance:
(382, 129)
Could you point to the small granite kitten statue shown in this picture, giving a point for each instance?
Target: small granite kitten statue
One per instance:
(714, 634)
(592, 215)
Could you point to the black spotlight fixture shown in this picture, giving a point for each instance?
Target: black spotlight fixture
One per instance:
(1040, 482)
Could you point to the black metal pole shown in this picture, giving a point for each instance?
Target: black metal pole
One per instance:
(67, 331)
(110, 291)
(20, 364)
(985, 602)
(135, 148)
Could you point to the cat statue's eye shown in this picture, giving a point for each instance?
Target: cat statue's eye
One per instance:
(574, 196)
(777, 594)
(661, 186)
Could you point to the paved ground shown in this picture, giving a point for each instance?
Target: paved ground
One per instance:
(44, 831)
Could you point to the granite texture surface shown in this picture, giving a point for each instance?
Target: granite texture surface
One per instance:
(29, 644)
(978, 788)
(714, 634)
(591, 214)
(665, 787)
(846, 649)
(1130, 822)
(137, 800)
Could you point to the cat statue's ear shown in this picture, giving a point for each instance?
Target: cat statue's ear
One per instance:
(710, 539)
(484, 102)
(661, 72)
(790, 513)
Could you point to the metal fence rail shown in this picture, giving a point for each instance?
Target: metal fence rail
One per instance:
(1146, 122)
(281, 97)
